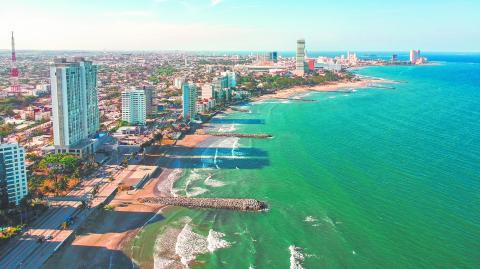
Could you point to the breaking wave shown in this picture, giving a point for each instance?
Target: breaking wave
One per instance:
(296, 257)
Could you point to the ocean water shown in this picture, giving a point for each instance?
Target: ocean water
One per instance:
(372, 179)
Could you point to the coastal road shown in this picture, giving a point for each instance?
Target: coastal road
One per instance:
(25, 251)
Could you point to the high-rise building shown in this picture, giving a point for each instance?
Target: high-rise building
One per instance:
(231, 79)
(300, 58)
(13, 174)
(189, 91)
(178, 82)
(149, 96)
(273, 56)
(75, 112)
(414, 56)
(208, 91)
(134, 106)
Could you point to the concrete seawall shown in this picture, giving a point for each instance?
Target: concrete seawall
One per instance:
(215, 203)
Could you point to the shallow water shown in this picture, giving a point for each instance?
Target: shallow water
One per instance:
(372, 179)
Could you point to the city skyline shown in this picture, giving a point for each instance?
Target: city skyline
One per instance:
(203, 25)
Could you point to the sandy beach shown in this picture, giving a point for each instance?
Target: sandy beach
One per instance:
(99, 242)
(330, 87)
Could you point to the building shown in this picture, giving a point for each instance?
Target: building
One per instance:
(13, 174)
(134, 107)
(189, 96)
(149, 96)
(231, 79)
(178, 82)
(311, 64)
(300, 58)
(414, 56)
(75, 113)
(394, 57)
(208, 91)
(273, 56)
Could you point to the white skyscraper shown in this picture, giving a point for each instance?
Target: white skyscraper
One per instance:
(74, 105)
(13, 174)
(300, 58)
(134, 106)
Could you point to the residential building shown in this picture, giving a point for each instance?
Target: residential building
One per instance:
(13, 174)
(75, 112)
(189, 91)
(134, 106)
(300, 58)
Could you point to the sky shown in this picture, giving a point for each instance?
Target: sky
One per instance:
(232, 25)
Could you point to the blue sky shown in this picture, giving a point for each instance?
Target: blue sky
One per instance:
(368, 25)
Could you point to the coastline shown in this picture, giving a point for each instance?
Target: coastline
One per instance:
(108, 231)
(111, 231)
(329, 87)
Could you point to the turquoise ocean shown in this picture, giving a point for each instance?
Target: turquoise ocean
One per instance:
(374, 178)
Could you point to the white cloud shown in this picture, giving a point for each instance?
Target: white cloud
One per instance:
(216, 2)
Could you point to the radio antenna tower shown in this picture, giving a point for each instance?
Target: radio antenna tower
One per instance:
(15, 88)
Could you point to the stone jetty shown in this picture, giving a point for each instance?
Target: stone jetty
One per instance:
(214, 203)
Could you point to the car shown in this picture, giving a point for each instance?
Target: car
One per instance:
(49, 237)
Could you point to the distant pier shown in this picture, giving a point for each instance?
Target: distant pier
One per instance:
(213, 203)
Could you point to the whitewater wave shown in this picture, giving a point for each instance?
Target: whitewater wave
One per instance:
(296, 257)
(310, 219)
(195, 191)
(209, 181)
(215, 241)
(190, 244)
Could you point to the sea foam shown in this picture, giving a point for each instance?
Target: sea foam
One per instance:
(296, 257)
(190, 244)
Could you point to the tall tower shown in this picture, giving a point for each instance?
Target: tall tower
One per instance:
(75, 112)
(300, 59)
(15, 88)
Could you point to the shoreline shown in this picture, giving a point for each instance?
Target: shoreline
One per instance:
(111, 231)
(329, 87)
(108, 232)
